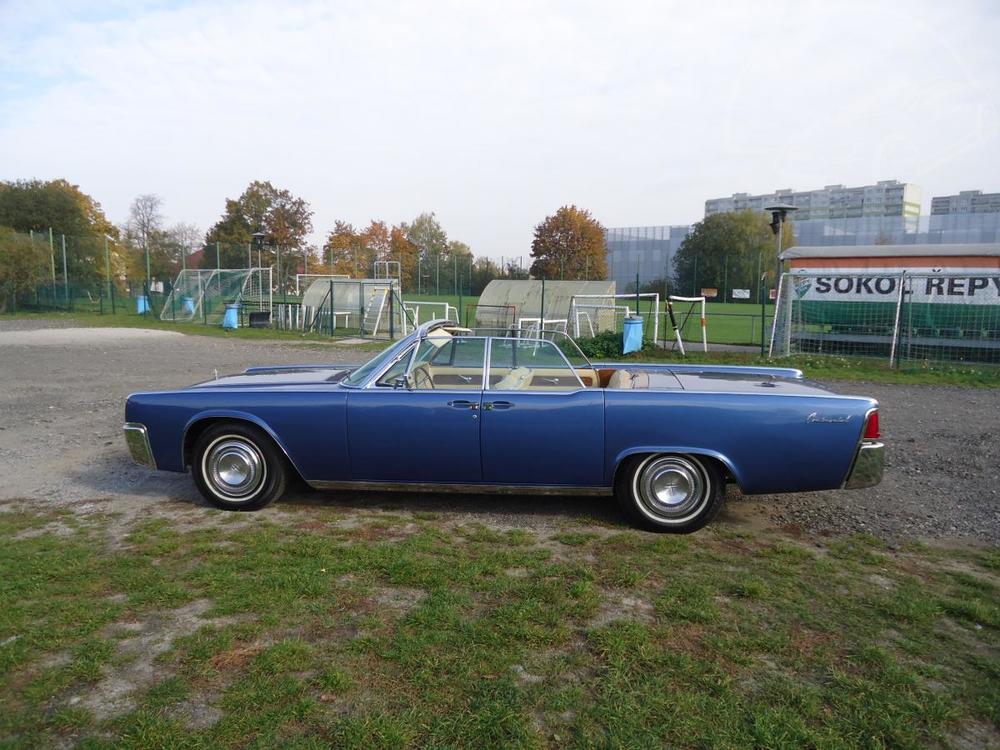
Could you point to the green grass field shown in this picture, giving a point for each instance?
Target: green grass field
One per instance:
(380, 630)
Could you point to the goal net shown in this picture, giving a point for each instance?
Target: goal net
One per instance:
(201, 295)
(590, 314)
(501, 317)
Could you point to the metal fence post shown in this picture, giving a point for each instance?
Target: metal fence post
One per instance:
(893, 362)
(65, 274)
(107, 265)
(361, 308)
(392, 327)
(332, 324)
(52, 251)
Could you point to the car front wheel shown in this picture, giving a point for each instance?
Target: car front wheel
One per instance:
(669, 492)
(238, 467)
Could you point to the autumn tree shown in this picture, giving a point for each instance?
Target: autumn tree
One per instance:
(729, 250)
(431, 241)
(569, 245)
(285, 219)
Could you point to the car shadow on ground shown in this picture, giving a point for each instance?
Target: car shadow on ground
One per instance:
(116, 475)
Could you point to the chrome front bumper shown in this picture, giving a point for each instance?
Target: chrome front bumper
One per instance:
(868, 467)
(138, 444)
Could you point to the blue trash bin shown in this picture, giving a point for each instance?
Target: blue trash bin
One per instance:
(142, 304)
(632, 336)
(232, 317)
(187, 303)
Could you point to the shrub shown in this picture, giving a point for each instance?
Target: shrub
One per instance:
(608, 344)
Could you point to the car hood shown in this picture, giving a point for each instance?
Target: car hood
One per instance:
(256, 377)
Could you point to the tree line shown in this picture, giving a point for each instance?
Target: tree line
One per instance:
(264, 226)
(269, 226)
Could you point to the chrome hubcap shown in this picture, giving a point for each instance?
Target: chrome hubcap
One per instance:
(670, 488)
(234, 467)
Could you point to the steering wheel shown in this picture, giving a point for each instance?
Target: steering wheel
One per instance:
(421, 379)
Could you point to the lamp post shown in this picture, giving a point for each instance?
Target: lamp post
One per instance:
(779, 215)
(259, 242)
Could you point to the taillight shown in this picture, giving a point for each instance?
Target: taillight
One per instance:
(871, 427)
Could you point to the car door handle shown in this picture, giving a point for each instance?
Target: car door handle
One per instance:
(491, 405)
(464, 405)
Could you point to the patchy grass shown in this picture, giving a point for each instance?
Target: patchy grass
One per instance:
(398, 631)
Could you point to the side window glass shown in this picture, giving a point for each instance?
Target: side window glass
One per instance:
(529, 365)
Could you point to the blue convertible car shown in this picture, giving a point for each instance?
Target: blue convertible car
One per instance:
(448, 408)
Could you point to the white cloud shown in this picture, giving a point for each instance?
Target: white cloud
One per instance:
(493, 115)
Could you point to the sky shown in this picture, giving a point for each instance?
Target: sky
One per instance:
(493, 115)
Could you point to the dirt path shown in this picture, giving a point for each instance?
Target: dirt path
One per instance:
(62, 392)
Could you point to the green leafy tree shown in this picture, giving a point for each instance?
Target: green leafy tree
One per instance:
(569, 245)
(37, 205)
(724, 251)
(23, 265)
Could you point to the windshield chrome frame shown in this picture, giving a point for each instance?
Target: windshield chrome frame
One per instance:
(411, 343)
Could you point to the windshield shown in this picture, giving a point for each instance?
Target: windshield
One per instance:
(360, 375)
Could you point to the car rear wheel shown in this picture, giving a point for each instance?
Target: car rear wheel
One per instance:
(238, 467)
(669, 492)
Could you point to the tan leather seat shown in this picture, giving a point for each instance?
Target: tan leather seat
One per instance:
(620, 380)
(515, 380)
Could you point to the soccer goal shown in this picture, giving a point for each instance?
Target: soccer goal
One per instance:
(202, 294)
(532, 327)
(590, 314)
(421, 311)
(685, 315)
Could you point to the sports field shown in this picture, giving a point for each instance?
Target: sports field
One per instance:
(727, 322)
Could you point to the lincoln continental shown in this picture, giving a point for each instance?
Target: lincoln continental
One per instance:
(453, 409)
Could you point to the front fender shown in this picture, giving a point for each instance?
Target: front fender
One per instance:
(687, 449)
(233, 415)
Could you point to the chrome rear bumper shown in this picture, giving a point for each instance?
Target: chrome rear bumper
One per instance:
(138, 444)
(868, 467)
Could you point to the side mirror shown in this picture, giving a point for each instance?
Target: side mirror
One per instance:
(399, 382)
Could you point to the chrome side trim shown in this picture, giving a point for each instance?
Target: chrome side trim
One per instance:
(470, 489)
(137, 441)
(868, 467)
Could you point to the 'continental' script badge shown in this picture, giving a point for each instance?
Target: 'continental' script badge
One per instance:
(816, 417)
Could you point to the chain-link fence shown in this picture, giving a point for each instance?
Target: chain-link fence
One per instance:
(902, 317)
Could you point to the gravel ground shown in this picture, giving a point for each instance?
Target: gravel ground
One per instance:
(62, 391)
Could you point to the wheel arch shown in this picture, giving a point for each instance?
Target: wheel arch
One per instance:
(725, 465)
(197, 425)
